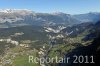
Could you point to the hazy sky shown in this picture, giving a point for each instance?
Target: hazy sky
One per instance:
(67, 6)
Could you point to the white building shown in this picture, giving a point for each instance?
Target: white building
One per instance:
(8, 40)
(15, 42)
(1, 40)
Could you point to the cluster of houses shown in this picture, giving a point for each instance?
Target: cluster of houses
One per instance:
(9, 40)
(42, 51)
(25, 45)
(17, 34)
(41, 54)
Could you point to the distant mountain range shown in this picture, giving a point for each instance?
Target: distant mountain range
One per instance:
(17, 17)
(88, 17)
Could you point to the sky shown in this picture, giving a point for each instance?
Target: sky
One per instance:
(48, 6)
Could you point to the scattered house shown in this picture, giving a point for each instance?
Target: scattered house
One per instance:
(43, 47)
(17, 34)
(24, 45)
(26, 41)
(41, 53)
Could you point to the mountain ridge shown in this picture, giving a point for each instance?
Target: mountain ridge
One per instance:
(21, 17)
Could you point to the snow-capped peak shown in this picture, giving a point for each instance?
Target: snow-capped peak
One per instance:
(14, 10)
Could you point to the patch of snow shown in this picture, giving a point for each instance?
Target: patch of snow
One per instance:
(69, 33)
